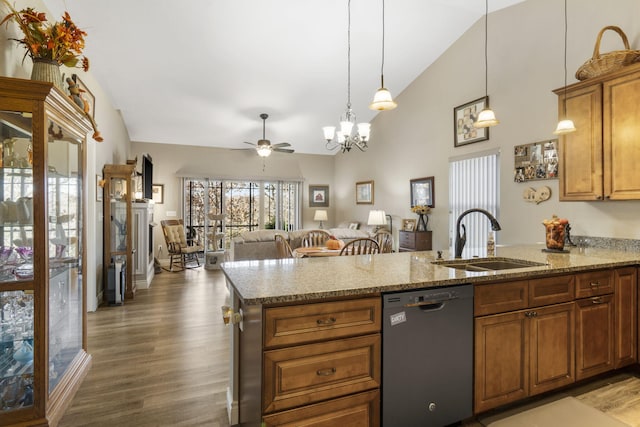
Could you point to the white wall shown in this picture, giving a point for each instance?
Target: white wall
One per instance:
(525, 64)
(114, 149)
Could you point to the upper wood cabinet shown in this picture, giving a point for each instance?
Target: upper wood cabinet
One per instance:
(598, 161)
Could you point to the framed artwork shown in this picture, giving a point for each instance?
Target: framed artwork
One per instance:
(364, 193)
(157, 193)
(318, 196)
(99, 189)
(423, 192)
(535, 161)
(463, 118)
(408, 225)
(86, 94)
(354, 225)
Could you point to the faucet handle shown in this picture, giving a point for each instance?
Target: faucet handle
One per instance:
(439, 254)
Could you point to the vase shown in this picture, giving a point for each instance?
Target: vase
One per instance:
(45, 70)
(422, 222)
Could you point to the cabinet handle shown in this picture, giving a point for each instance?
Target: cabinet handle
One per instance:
(326, 372)
(597, 300)
(595, 284)
(530, 314)
(324, 322)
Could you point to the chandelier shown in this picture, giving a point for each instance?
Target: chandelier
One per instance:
(349, 135)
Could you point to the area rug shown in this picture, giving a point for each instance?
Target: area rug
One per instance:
(620, 399)
(566, 412)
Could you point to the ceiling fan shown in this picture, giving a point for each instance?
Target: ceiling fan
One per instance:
(264, 146)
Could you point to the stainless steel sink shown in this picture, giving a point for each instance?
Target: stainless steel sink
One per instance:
(488, 264)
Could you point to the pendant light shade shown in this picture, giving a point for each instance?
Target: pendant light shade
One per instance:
(565, 125)
(487, 117)
(382, 100)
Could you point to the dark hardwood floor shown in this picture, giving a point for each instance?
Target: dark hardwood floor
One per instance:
(161, 359)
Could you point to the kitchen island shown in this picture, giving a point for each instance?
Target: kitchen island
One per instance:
(295, 310)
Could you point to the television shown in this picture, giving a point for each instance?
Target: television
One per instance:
(147, 177)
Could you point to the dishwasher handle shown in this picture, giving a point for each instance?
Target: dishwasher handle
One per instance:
(431, 305)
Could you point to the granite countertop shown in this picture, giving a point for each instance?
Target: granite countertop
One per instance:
(290, 280)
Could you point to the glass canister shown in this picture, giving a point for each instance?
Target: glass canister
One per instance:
(555, 231)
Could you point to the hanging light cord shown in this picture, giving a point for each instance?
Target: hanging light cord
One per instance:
(564, 98)
(382, 66)
(486, 57)
(349, 57)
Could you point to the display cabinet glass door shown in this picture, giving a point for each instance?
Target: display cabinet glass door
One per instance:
(16, 262)
(64, 204)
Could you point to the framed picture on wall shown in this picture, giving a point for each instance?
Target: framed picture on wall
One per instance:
(422, 192)
(157, 193)
(318, 196)
(364, 193)
(463, 118)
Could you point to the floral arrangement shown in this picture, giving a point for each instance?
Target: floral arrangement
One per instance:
(421, 209)
(61, 42)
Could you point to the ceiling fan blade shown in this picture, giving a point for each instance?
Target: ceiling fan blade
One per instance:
(250, 143)
(284, 150)
(281, 144)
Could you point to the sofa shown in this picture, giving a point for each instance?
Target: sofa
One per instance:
(260, 244)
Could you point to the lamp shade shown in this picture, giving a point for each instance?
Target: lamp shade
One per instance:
(377, 218)
(320, 215)
(382, 100)
(565, 126)
(486, 118)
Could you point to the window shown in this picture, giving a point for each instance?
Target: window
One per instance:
(474, 183)
(248, 205)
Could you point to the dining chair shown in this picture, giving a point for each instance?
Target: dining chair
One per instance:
(364, 246)
(315, 238)
(178, 247)
(283, 249)
(385, 241)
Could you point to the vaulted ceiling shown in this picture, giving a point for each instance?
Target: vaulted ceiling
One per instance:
(200, 72)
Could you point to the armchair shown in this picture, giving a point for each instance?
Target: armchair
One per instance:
(177, 245)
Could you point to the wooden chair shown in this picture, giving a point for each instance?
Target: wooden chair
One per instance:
(315, 238)
(364, 246)
(283, 249)
(178, 248)
(385, 241)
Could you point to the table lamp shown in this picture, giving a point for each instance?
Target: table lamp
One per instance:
(320, 215)
(377, 218)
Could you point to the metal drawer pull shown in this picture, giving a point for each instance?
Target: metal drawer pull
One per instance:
(325, 372)
(329, 321)
(595, 284)
(597, 300)
(531, 314)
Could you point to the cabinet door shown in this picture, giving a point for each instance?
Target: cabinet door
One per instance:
(580, 153)
(626, 316)
(594, 336)
(501, 360)
(621, 112)
(552, 347)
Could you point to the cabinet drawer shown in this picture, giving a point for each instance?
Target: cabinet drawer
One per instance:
(305, 323)
(594, 283)
(407, 239)
(360, 410)
(312, 373)
(500, 297)
(551, 290)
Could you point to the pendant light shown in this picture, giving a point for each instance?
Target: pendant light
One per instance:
(382, 100)
(487, 117)
(565, 125)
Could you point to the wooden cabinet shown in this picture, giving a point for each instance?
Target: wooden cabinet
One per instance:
(320, 363)
(523, 353)
(43, 347)
(598, 161)
(117, 236)
(537, 335)
(415, 241)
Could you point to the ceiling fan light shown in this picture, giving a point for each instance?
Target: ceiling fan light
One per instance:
(329, 132)
(263, 150)
(382, 100)
(486, 118)
(565, 126)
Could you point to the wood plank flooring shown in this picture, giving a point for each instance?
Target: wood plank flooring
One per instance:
(161, 359)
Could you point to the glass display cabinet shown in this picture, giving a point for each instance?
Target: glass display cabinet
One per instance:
(43, 356)
(117, 239)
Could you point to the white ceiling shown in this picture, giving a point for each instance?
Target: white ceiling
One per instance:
(199, 72)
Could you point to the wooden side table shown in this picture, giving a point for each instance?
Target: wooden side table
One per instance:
(415, 241)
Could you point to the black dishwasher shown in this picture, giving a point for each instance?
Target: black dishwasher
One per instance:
(427, 356)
